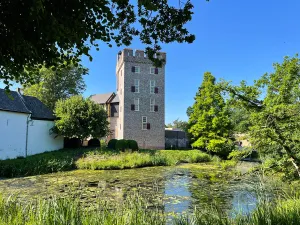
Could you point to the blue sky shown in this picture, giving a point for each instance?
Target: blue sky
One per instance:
(235, 40)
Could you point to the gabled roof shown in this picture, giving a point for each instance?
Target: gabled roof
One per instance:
(105, 98)
(116, 99)
(24, 104)
(12, 102)
(38, 109)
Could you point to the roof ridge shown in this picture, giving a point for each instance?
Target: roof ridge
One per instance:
(23, 101)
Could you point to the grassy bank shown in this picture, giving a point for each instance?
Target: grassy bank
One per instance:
(48, 162)
(103, 160)
(135, 211)
(96, 159)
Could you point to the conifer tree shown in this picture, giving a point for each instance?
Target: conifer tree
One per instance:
(209, 123)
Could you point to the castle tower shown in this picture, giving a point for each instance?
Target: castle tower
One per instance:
(141, 91)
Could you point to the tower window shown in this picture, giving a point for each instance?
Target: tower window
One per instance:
(152, 104)
(136, 104)
(135, 69)
(137, 86)
(144, 122)
(153, 70)
(152, 86)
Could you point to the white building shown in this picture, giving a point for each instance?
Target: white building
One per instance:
(25, 126)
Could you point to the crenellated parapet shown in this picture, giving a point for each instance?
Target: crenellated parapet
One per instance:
(130, 55)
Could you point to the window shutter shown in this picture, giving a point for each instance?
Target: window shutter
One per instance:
(148, 126)
(156, 108)
(132, 88)
(156, 90)
(156, 71)
(133, 69)
(132, 107)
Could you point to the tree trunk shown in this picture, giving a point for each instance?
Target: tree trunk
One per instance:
(295, 165)
(293, 159)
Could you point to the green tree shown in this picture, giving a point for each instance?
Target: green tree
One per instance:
(210, 127)
(180, 124)
(273, 104)
(240, 119)
(79, 117)
(57, 84)
(52, 32)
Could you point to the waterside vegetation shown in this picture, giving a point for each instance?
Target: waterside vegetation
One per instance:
(97, 159)
(136, 211)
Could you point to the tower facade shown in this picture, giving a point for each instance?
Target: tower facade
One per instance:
(141, 92)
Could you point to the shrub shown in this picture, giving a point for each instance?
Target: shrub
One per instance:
(72, 143)
(239, 154)
(244, 153)
(112, 144)
(48, 162)
(133, 145)
(94, 142)
(121, 145)
(141, 159)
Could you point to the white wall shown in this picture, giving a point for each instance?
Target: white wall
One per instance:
(40, 138)
(12, 134)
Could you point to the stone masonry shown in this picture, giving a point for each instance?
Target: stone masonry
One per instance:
(137, 119)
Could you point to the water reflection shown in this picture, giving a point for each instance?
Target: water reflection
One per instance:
(179, 189)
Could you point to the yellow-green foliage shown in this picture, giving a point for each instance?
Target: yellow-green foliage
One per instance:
(141, 159)
(239, 154)
(226, 164)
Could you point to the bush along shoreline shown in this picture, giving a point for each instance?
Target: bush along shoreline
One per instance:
(143, 158)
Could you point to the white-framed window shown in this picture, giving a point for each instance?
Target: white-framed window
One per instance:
(152, 86)
(136, 104)
(136, 69)
(137, 85)
(152, 104)
(144, 122)
(153, 70)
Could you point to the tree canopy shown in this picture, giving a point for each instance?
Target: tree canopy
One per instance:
(180, 124)
(51, 32)
(81, 118)
(57, 84)
(210, 127)
(274, 106)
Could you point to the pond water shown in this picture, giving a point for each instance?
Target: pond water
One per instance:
(178, 189)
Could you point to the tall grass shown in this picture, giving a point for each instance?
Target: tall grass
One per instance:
(280, 212)
(48, 162)
(135, 211)
(141, 159)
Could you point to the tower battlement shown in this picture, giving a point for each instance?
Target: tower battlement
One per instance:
(128, 54)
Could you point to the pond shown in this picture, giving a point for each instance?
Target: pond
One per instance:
(178, 189)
